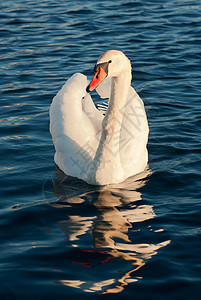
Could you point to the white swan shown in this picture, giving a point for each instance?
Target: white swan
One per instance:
(96, 148)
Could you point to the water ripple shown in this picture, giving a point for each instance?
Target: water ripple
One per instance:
(60, 237)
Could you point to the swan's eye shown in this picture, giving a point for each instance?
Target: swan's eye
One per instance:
(109, 61)
(98, 73)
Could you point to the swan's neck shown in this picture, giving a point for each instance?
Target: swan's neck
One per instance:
(107, 158)
(112, 122)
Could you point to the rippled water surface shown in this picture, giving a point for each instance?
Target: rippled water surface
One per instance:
(61, 238)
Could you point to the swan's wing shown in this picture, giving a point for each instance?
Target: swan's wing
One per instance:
(94, 115)
(66, 106)
(72, 130)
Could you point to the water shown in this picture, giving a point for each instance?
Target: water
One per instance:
(61, 238)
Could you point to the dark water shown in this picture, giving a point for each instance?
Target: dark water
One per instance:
(61, 238)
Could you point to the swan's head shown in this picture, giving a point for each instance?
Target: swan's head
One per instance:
(110, 64)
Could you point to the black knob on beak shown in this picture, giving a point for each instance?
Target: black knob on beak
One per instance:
(88, 89)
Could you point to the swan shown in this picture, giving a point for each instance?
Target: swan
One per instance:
(100, 147)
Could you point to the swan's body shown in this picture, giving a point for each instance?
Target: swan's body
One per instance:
(96, 148)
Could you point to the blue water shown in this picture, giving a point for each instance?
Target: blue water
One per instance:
(60, 238)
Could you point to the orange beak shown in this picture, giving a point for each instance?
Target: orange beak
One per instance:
(97, 79)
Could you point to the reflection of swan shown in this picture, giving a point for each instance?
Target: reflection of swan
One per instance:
(119, 213)
(100, 150)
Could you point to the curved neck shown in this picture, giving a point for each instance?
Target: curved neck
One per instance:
(112, 122)
(107, 160)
